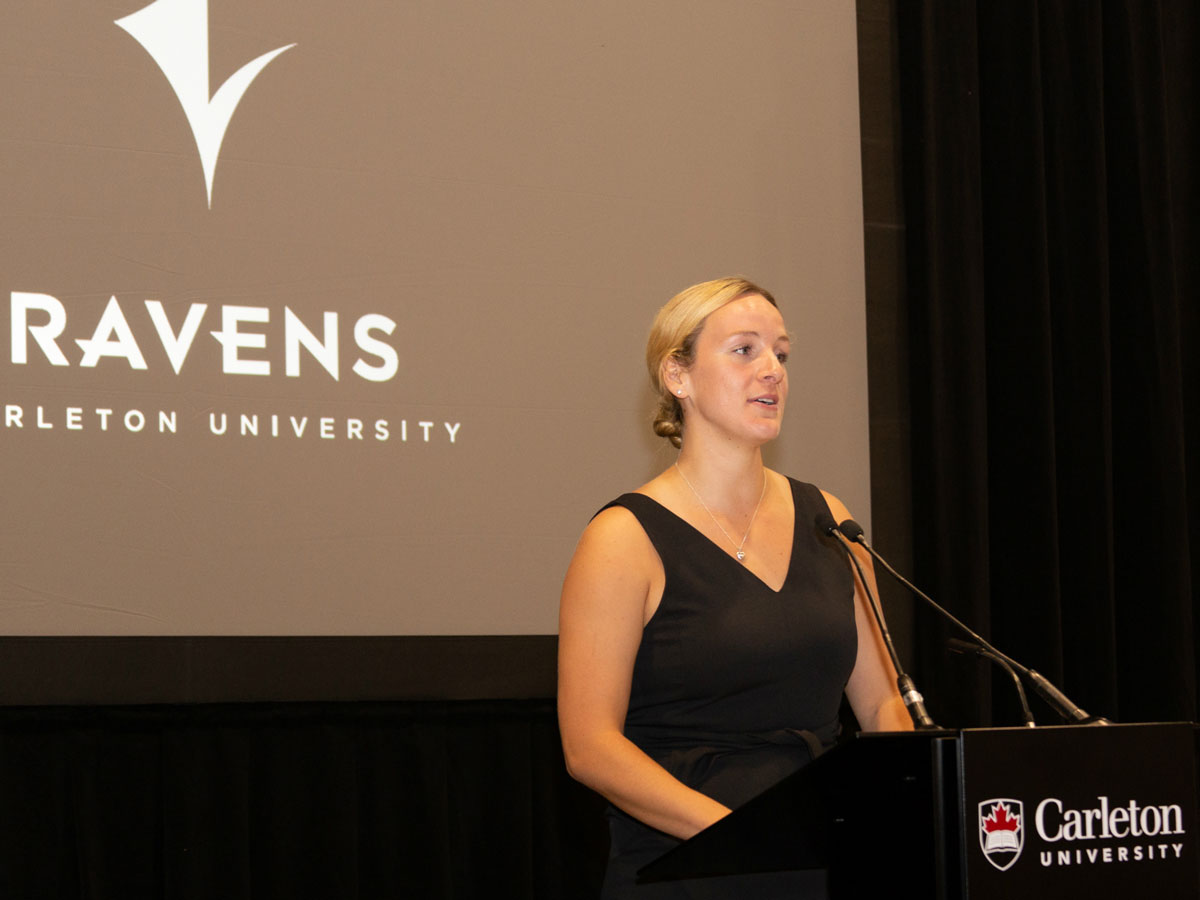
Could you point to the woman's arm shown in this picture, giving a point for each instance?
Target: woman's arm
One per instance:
(872, 689)
(614, 578)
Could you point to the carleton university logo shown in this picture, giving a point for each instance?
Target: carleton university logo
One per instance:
(1001, 831)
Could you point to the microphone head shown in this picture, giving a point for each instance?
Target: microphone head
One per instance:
(825, 524)
(967, 648)
(852, 530)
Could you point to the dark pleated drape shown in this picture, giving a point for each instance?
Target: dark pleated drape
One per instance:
(346, 801)
(1050, 153)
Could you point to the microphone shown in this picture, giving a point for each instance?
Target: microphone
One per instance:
(1070, 711)
(968, 649)
(913, 701)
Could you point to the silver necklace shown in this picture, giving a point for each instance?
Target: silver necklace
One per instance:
(741, 552)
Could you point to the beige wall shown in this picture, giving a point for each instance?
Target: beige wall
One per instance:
(516, 187)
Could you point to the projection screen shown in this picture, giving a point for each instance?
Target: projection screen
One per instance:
(328, 319)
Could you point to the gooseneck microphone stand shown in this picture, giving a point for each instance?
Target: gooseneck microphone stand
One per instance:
(1059, 701)
(913, 701)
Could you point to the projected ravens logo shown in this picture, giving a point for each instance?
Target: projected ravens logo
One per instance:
(175, 34)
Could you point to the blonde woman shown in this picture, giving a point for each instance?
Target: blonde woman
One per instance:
(707, 628)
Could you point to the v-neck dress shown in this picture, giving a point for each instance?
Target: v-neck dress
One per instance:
(735, 685)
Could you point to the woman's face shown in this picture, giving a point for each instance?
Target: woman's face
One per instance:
(737, 384)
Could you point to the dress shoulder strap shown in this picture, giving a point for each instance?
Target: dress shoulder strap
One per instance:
(808, 501)
(667, 532)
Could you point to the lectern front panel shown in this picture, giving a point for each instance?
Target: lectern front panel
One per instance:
(1080, 812)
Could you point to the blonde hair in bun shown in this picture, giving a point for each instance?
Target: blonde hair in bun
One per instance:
(673, 336)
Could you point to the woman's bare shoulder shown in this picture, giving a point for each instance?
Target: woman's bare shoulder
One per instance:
(840, 513)
(615, 568)
(615, 536)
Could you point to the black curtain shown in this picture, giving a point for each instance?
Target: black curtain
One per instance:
(346, 801)
(1053, 216)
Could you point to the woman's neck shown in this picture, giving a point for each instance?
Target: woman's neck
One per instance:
(730, 480)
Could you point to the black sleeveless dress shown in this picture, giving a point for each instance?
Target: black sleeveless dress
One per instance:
(734, 685)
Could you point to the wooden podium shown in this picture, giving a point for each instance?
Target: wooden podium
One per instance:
(1052, 812)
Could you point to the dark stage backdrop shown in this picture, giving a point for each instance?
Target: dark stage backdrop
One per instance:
(277, 802)
(1051, 153)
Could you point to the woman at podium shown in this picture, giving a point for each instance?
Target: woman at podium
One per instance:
(708, 628)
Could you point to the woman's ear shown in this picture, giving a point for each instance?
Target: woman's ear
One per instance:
(674, 376)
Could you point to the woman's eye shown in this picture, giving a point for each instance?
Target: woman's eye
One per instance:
(744, 350)
(782, 357)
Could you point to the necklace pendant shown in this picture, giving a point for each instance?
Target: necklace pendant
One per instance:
(741, 555)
